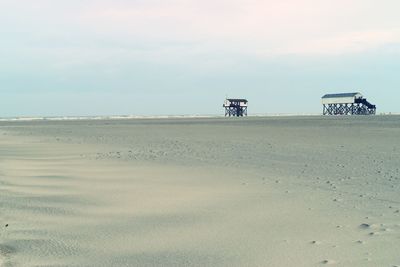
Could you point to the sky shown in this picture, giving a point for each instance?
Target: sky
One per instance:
(175, 57)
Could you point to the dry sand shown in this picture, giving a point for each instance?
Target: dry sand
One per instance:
(285, 191)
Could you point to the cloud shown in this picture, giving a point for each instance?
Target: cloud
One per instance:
(346, 43)
(255, 27)
(210, 33)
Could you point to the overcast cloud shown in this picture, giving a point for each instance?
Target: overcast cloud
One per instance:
(193, 53)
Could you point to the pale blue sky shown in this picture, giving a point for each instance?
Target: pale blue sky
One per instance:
(103, 57)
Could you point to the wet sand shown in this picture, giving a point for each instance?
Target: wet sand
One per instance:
(278, 191)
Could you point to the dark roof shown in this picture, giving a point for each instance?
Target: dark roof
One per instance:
(340, 95)
(237, 100)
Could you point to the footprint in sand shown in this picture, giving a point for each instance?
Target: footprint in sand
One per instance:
(373, 233)
(6, 250)
(365, 225)
(368, 226)
(328, 262)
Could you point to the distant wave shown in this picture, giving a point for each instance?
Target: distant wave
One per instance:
(284, 114)
(117, 117)
(126, 117)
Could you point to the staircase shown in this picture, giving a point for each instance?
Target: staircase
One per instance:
(365, 107)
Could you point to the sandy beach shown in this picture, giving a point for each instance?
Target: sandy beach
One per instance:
(256, 191)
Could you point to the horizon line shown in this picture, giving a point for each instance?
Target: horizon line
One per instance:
(176, 116)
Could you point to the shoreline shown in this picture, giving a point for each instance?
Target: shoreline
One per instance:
(134, 117)
(166, 117)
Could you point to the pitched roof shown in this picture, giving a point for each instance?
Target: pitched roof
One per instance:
(340, 95)
(237, 100)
